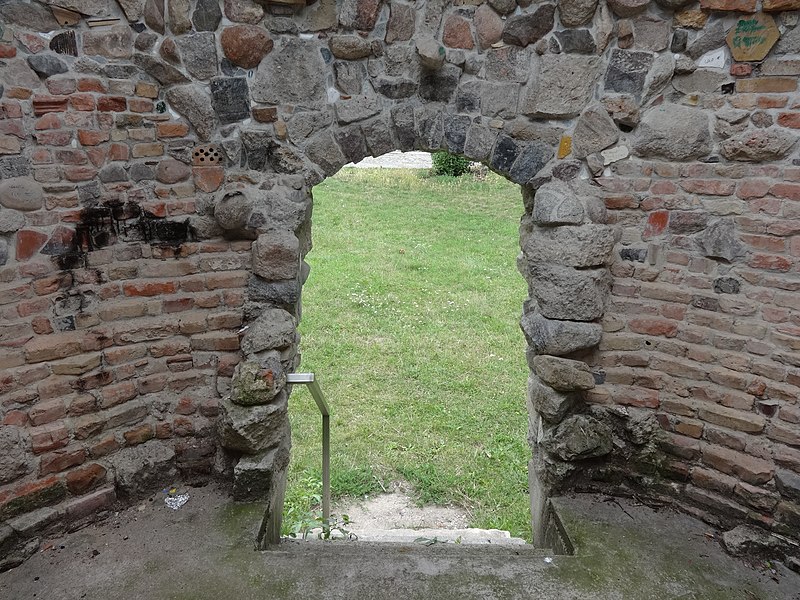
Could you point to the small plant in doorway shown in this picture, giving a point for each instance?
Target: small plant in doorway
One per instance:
(452, 165)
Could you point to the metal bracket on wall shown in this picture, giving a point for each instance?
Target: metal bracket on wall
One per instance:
(310, 381)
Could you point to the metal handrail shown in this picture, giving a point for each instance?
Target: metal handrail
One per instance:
(310, 381)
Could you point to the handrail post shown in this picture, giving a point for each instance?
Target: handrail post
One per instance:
(326, 468)
(309, 380)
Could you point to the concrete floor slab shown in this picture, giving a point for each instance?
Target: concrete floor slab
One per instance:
(205, 551)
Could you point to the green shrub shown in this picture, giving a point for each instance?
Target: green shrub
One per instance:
(445, 163)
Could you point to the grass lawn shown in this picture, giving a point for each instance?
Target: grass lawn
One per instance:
(410, 321)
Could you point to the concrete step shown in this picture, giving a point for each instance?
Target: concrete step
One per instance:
(426, 536)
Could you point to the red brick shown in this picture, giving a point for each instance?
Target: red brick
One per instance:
(217, 340)
(767, 102)
(790, 191)
(49, 437)
(741, 69)
(62, 460)
(86, 505)
(769, 262)
(709, 187)
(654, 327)
(29, 242)
(119, 152)
(149, 288)
(30, 496)
(47, 412)
(112, 104)
(140, 434)
(172, 130)
(140, 105)
(92, 138)
(789, 119)
(48, 121)
(7, 51)
(656, 224)
(113, 395)
(90, 84)
(104, 447)
(85, 478)
(748, 468)
(47, 104)
(766, 85)
(82, 102)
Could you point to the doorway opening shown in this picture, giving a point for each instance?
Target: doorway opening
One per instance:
(411, 323)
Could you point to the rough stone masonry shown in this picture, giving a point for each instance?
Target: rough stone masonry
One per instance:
(157, 159)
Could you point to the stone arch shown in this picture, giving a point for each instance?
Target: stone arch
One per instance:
(155, 193)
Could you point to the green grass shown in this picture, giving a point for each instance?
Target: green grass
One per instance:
(410, 321)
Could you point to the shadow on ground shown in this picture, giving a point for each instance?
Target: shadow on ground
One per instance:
(204, 550)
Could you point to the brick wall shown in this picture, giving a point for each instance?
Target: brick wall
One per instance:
(711, 345)
(110, 335)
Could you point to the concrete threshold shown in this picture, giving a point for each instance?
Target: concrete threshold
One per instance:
(205, 550)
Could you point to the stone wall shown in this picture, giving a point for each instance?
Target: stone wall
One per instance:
(157, 164)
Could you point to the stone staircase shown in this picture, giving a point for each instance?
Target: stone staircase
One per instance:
(427, 536)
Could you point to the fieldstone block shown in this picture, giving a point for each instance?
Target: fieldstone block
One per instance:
(557, 203)
(34, 17)
(509, 63)
(251, 429)
(154, 15)
(674, 132)
(258, 382)
(488, 26)
(396, 88)
(357, 108)
(564, 86)
(359, 14)
(429, 128)
(280, 294)
(576, 41)
(178, 12)
(628, 8)
(199, 52)
(627, 71)
(133, 9)
(651, 33)
(162, 72)
(550, 404)
(21, 193)
(402, 21)
(431, 53)
(276, 255)
(243, 11)
(194, 103)
(245, 45)
(255, 478)
(577, 438)
(576, 12)
(141, 469)
(91, 8)
(569, 294)
(522, 30)
(582, 246)
(710, 38)
(274, 329)
(47, 65)
(760, 145)
(531, 159)
(293, 74)
(230, 98)
(11, 221)
(719, 240)
(557, 338)
(207, 15)
(233, 211)
(594, 131)
(479, 143)
(563, 374)
(457, 33)
(15, 457)
(455, 132)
